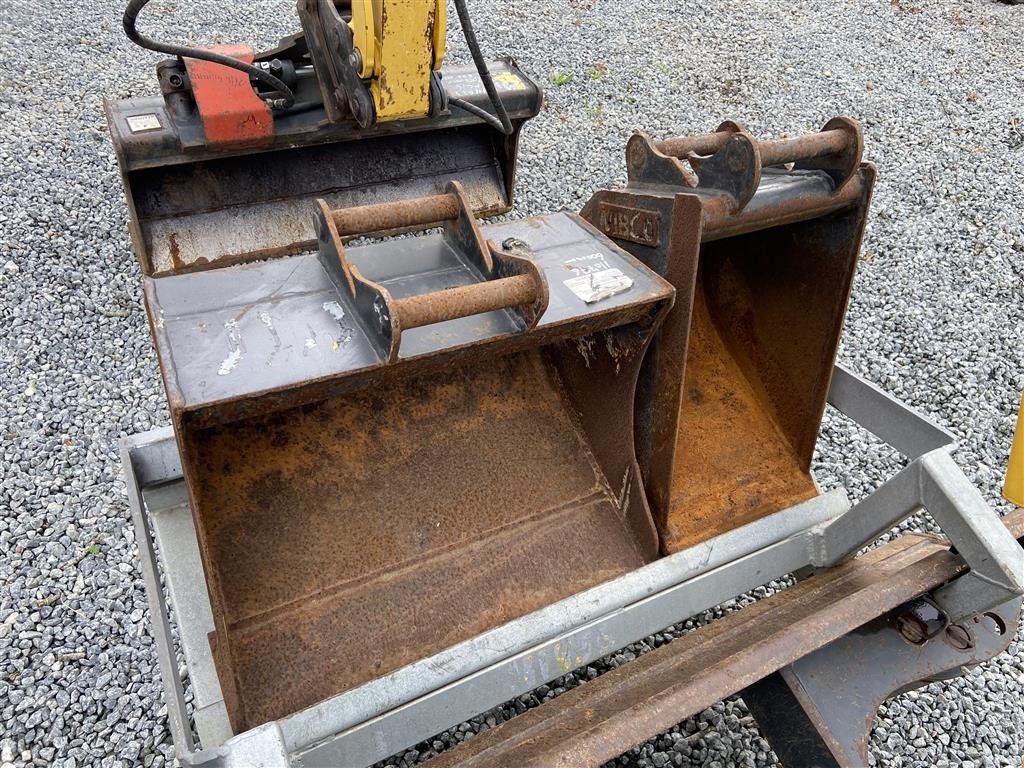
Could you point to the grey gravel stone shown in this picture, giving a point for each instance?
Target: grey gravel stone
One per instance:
(937, 316)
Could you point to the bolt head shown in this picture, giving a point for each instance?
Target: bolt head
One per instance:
(959, 637)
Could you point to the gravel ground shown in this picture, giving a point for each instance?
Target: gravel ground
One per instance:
(936, 318)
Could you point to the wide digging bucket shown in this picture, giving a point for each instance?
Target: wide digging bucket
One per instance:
(760, 240)
(393, 448)
(193, 206)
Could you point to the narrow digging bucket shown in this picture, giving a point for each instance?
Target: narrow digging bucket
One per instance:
(392, 449)
(194, 207)
(760, 240)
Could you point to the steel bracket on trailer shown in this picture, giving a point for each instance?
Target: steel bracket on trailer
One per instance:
(931, 481)
(818, 711)
(388, 714)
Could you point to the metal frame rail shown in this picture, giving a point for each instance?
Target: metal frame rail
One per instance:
(388, 714)
(815, 703)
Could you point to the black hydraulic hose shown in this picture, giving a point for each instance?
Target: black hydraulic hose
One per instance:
(131, 13)
(483, 114)
(501, 122)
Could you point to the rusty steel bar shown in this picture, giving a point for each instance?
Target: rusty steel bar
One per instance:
(465, 300)
(400, 214)
(773, 152)
(809, 147)
(721, 222)
(701, 144)
(1014, 522)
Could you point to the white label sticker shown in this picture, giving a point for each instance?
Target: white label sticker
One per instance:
(596, 286)
(139, 123)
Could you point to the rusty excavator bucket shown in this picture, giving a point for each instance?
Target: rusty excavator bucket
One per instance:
(195, 204)
(394, 447)
(760, 240)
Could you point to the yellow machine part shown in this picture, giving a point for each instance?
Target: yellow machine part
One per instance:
(1013, 489)
(401, 42)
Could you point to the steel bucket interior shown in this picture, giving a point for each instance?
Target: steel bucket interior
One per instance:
(767, 313)
(376, 510)
(354, 536)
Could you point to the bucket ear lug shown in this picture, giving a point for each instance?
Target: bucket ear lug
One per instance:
(732, 126)
(843, 166)
(646, 165)
(734, 169)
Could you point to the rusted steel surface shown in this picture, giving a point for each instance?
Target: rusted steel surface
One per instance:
(601, 719)
(818, 711)
(734, 466)
(453, 303)
(1015, 523)
(394, 523)
(492, 458)
(397, 214)
(733, 390)
(660, 388)
(772, 151)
